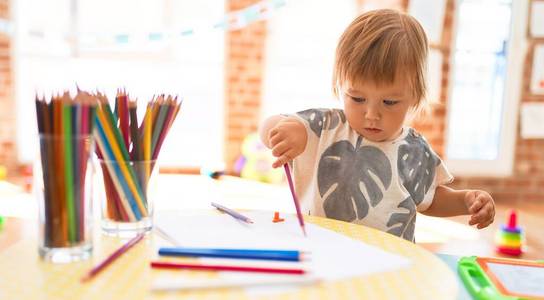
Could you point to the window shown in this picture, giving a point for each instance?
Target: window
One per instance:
(485, 86)
(142, 45)
(300, 50)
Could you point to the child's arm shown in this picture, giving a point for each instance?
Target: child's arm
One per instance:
(448, 202)
(286, 136)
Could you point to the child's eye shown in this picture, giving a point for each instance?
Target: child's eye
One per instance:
(359, 100)
(390, 102)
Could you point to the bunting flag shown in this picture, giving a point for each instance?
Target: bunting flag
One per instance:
(231, 21)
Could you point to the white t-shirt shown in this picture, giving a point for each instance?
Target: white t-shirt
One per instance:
(343, 176)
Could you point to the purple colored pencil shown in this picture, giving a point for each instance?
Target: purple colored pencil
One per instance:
(295, 199)
(231, 212)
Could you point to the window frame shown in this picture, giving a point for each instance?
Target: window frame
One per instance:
(502, 166)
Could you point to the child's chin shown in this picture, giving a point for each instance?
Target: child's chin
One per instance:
(374, 137)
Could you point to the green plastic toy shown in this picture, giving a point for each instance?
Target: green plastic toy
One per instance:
(483, 284)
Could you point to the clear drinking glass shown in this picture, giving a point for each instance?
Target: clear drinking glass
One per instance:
(126, 193)
(63, 185)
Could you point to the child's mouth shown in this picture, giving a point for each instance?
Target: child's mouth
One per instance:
(373, 130)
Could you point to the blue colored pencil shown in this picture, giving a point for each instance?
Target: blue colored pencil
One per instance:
(282, 255)
(232, 212)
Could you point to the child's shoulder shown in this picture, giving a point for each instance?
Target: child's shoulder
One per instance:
(414, 142)
(413, 136)
(320, 119)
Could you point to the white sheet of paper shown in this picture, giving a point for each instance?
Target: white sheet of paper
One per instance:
(537, 78)
(333, 256)
(532, 114)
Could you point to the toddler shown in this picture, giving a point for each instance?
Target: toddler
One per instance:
(363, 164)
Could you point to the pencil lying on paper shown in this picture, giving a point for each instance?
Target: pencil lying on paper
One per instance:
(112, 257)
(232, 212)
(210, 267)
(169, 284)
(297, 205)
(280, 255)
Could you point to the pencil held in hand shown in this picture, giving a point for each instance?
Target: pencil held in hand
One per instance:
(295, 199)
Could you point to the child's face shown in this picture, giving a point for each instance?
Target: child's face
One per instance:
(377, 112)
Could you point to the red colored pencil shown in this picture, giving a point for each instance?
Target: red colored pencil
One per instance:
(112, 257)
(297, 205)
(206, 267)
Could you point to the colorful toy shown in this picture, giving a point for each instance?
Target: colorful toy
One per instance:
(256, 161)
(509, 239)
(277, 218)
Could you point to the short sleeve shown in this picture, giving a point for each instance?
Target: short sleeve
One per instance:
(420, 169)
(442, 176)
(318, 120)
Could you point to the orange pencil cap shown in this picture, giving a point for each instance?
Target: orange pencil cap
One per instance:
(277, 217)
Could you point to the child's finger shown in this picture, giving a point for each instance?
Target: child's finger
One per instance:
(475, 206)
(485, 224)
(280, 149)
(282, 160)
(482, 215)
(275, 138)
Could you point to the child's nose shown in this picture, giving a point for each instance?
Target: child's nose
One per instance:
(372, 113)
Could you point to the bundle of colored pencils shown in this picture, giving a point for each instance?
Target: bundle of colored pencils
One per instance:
(128, 151)
(65, 127)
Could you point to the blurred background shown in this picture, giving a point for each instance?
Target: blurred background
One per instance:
(234, 62)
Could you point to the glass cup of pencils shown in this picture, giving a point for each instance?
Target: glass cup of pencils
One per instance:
(127, 196)
(128, 152)
(63, 186)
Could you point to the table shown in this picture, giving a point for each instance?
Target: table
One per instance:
(25, 276)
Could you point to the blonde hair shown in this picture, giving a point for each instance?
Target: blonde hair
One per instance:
(380, 45)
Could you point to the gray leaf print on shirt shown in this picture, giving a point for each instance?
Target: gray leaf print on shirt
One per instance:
(416, 164)
(322, 119)
(341, 172)
(404, 222)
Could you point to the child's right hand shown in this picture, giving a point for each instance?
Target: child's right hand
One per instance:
(287, 139)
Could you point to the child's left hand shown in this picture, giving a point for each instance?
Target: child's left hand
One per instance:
(481, 207)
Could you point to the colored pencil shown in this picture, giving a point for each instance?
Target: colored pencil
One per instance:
(297, 205)
(232, 213)
(68, 170)
(279, 255)
(211, 267)
(112, 257)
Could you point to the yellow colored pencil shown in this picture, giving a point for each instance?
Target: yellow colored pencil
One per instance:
(119, 158)
(147, 140)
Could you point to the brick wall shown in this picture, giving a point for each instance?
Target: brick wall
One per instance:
(8, 154)
(243, 74)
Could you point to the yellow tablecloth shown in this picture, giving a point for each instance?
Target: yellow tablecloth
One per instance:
(24, 276)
